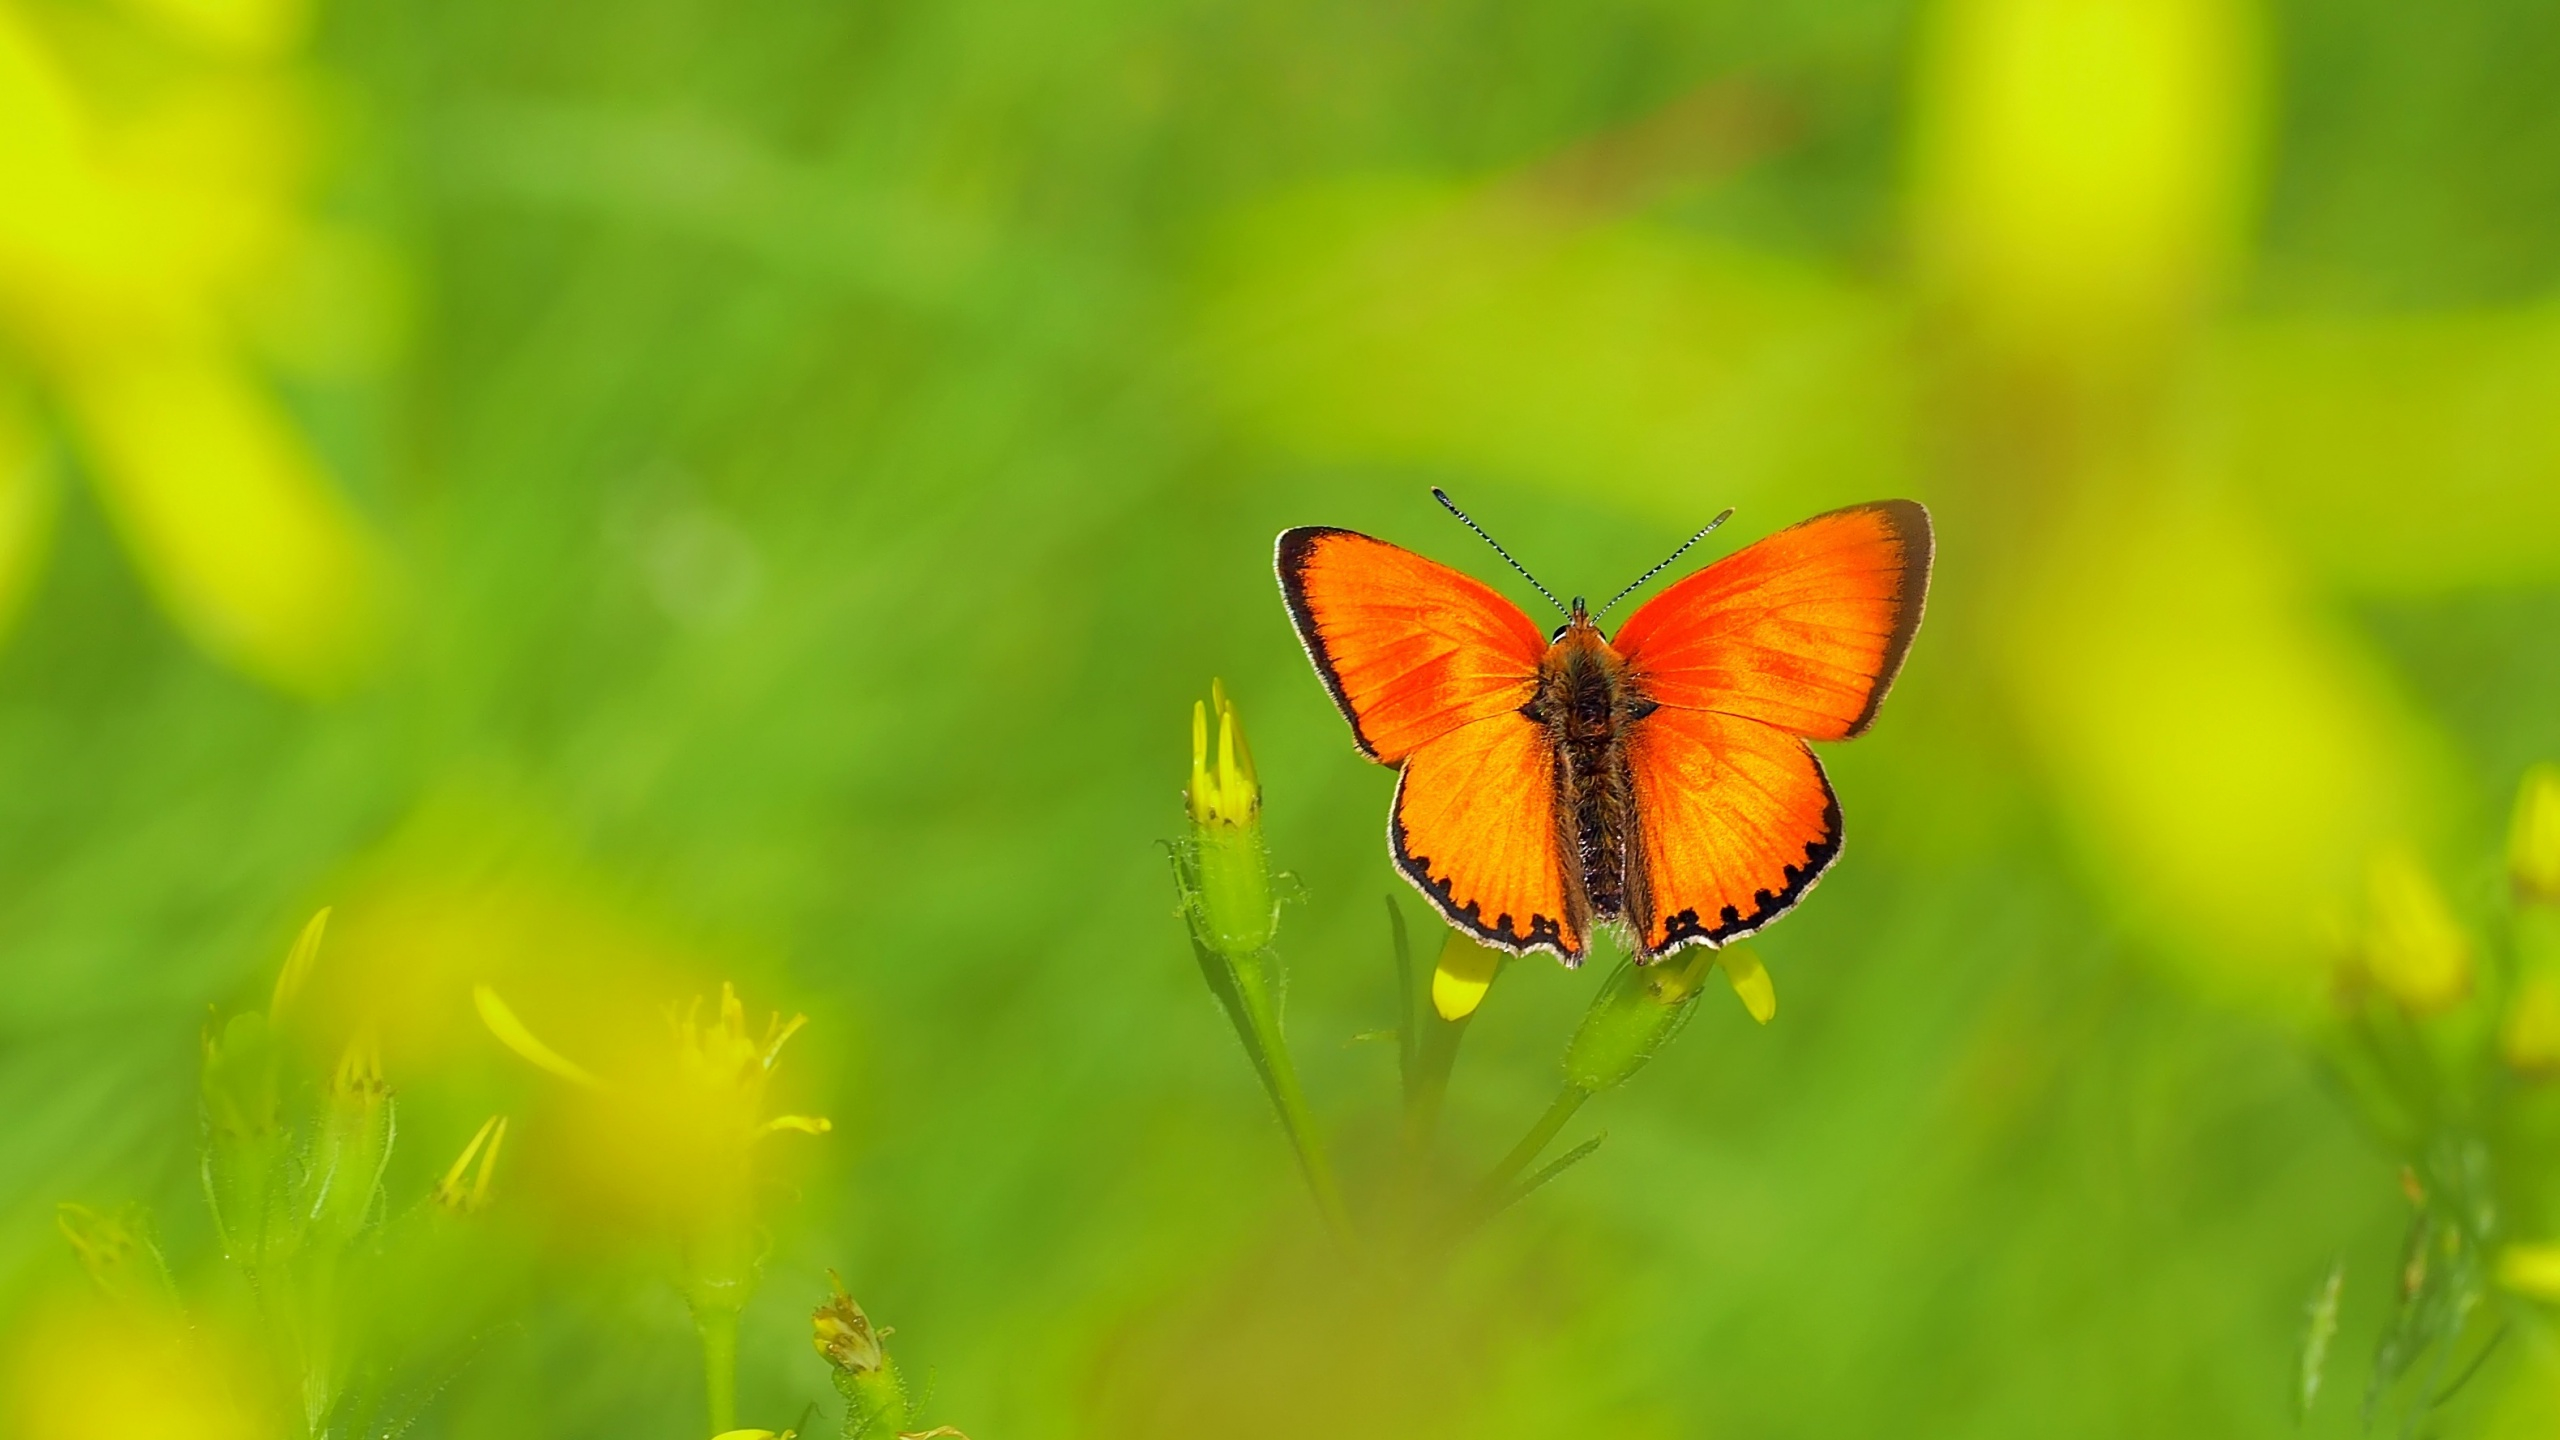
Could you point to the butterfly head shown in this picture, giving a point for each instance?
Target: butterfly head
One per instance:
(1578, 618)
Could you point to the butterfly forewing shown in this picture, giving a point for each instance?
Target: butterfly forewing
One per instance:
(1803, 630)
(1409, 648)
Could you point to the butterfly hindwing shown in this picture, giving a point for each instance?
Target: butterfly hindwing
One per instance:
(1409, 648)
(1736, 822)
(1803, 630)
(1474, 828)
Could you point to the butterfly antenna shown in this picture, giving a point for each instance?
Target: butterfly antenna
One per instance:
(1452, 507)
(1703, 532)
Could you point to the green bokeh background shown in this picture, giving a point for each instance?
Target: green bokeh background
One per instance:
(829, 447)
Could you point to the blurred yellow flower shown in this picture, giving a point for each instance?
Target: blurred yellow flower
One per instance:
(2082, 165)
(451, 1192)
(149, 233)
(100, 1370)
(728, 1066)
(2414, 949)
(2531, 1269)
(2533, 847)
(2529, 1036)
(673, 1138)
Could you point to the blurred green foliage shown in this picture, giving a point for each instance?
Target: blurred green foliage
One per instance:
(681, 493)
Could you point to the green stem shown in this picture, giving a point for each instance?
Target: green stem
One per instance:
(1262, 1014)
(1433, 1059)
(1533, 1144)
(1405, 1037)
(719, 1330)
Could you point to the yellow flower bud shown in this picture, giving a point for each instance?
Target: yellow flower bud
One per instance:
(2533, 846)
(1227, 791)
(2414, 948)
(1226, 874)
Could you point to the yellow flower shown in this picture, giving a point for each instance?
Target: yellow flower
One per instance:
(1750, 981)
(2415, 949)
(150, 229)
(1463, 974)
(2529, 1037)
(718, 1061)
(2531, 1269)
(728, 1066)
(2533, 847)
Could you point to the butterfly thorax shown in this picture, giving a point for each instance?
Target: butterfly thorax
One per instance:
(1586, 702)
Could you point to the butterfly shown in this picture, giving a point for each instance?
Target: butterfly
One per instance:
(1656, 779)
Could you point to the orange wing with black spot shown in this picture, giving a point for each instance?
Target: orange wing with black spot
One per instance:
(1794, 638)
(1432, 667)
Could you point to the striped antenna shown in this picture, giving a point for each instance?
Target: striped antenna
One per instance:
(1703, 532)
(1452, 507)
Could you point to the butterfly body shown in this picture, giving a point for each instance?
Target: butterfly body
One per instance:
(1585, 703)
(1655, 780)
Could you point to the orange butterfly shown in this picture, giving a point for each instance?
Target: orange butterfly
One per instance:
(1658, 778)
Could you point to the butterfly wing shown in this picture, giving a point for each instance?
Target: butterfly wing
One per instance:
(1735, 822)
(1796, 637)
(1803, 630)
(1432, 667)
(1474, 828)
(1409, 648)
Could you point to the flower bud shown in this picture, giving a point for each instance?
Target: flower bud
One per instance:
(354, 1142)
(116, 1250)
(1635, 1014)
(875, 1397)
(2533, 846)
(2414, 948)
(1226, 873)
(244, 1140)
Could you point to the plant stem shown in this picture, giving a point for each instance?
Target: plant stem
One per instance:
(1405, 1038)
(1262, 1013)
(719, 1330)
(1533, 1144)
(1434, 1058)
